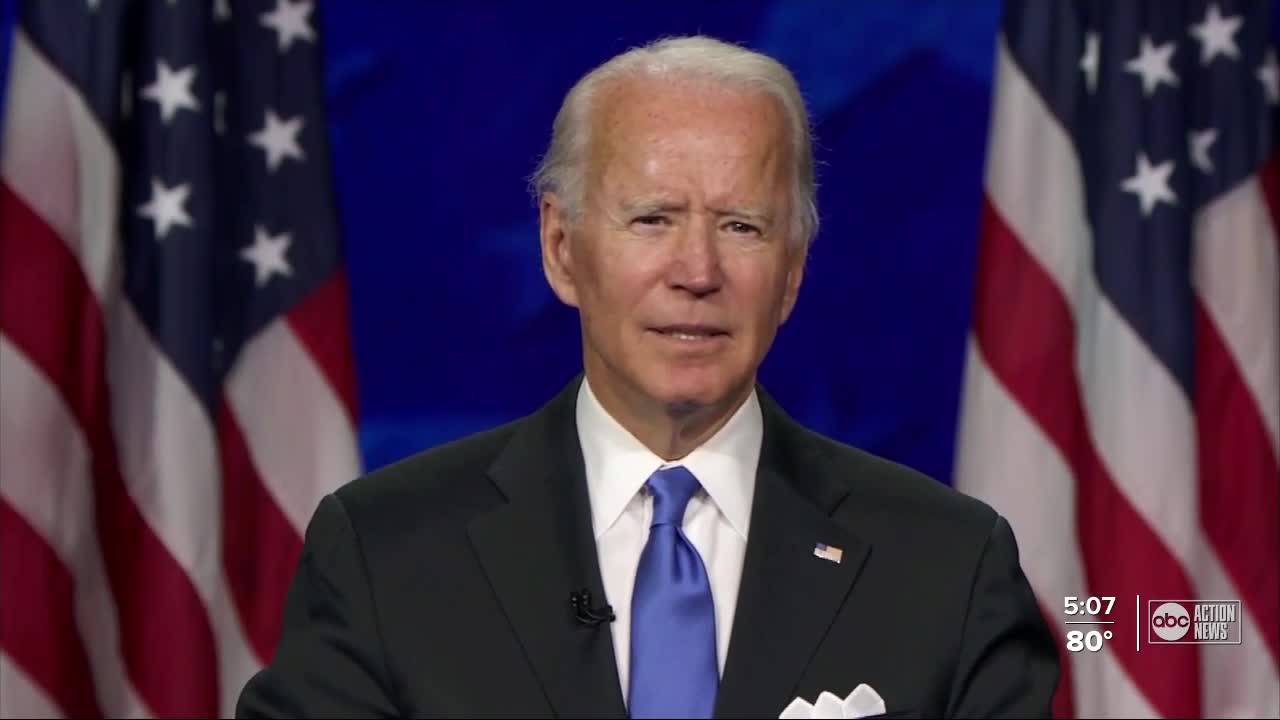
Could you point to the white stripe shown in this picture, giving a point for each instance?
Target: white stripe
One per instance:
(1139, 419)
(1004, 459)
(166, 443)
(21, 698)
(58, 160)
(45, 477)
(169, 457)
(296, 428)
(1237, 275)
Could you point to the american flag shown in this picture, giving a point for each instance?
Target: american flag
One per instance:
(1121, 402)
(827, 552)
(175, 360)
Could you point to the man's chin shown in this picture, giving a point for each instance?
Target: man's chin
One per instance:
(684, 400)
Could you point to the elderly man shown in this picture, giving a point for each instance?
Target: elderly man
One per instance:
(661, 539)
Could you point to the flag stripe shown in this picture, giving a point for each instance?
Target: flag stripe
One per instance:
(1236, 462)
(1237, 278)
(298, 464)
(40, 111)
(37, 627)
(164, 433)
(1240, 681)
(1269, 180)
(66, 342)
(322, 324)
(259, 545)
(1029, 347)
(59, 161)
(20, 696)
(1006, 460)
(45, 471)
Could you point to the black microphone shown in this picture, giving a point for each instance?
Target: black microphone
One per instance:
(584, 614)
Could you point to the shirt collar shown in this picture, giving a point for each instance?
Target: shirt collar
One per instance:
(617, 464)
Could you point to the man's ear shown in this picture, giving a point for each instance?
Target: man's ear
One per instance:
(557, 255)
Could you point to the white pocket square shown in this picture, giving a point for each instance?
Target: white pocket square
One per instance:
(863, 701)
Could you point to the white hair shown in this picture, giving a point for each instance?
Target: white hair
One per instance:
(563, 167)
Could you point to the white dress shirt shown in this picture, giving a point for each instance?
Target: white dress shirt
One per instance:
(715, 521)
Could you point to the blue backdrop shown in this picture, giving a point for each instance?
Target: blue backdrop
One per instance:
(439, 111)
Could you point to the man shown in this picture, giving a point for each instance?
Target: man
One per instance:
(661, 539)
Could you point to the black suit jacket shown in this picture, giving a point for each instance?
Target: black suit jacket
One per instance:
(439, 586)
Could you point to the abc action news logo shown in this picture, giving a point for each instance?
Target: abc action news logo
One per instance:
(1193, 622)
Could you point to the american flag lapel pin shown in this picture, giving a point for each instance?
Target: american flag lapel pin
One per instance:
(828, 552)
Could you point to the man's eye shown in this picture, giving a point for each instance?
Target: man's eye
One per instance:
(651, 220)
(741, 228)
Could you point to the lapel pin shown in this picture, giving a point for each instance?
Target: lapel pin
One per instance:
(828, 552)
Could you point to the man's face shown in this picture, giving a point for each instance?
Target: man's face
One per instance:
(682, 263)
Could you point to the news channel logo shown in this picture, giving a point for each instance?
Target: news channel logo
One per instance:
(1193, 622)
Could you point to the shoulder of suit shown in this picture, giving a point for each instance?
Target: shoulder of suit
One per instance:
(426, 478)
(893, 490)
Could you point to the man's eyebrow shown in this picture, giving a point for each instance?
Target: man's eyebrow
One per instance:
(652, 205)
(751, 213)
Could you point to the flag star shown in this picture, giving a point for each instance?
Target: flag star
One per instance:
(1216, 35)
(1269, 76)
(289, 20)
(1152, 64)
(279, 139)
(1089, 61)
(221, 10)
(172, 90)
(1198, 143)
(165, 208)
(266, 254)
(1151, 184)
(93, 5)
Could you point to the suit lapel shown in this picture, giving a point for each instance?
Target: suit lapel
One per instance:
(788, 596)
(539, 547)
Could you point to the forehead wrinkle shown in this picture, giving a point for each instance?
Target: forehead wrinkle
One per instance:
(638, 131)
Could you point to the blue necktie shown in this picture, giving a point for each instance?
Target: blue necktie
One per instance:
(673, 621)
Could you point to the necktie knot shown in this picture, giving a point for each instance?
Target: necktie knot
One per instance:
(672, 488)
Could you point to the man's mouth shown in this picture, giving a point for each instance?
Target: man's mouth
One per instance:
(690, 332)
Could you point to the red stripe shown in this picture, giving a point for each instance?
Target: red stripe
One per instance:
(322, 323)
(48, 310)
(1269, 178)
(260, 548)
(1239, 492)
(38, 625)
(1025, 329)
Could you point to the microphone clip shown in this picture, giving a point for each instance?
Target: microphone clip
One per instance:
(584, 614)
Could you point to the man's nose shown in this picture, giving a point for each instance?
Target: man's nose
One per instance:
(695, 265)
